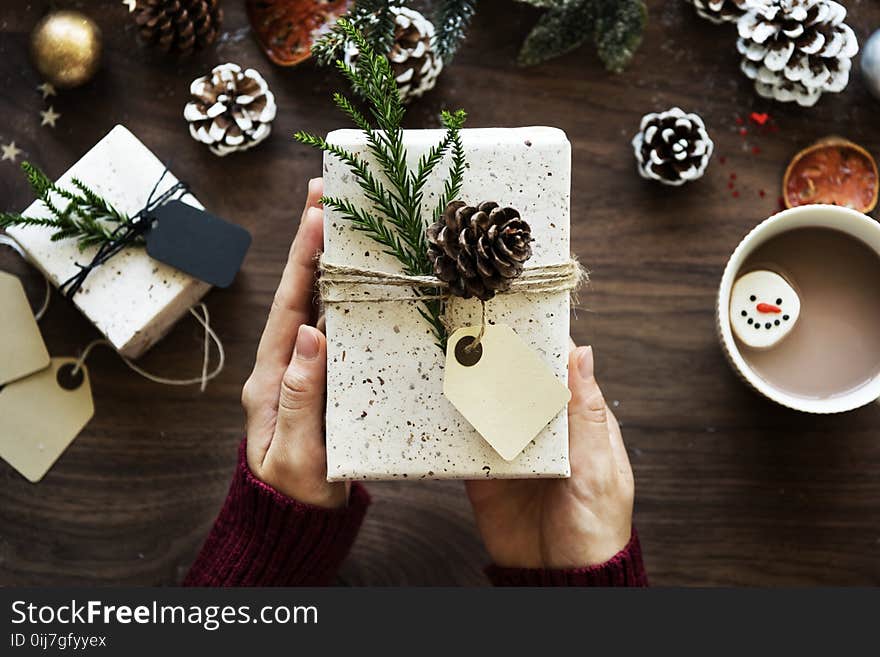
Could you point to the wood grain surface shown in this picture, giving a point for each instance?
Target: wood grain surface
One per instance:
(730, 489)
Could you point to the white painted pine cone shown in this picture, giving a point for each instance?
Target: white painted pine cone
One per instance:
(796, 50)
(672, 147)
(720, 11)
(230, 110)
(415, 64)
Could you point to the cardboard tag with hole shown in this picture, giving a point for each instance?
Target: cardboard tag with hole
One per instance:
(40, 416)
(502, 387)
(22, 350)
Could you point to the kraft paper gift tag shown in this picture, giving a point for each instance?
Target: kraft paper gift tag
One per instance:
(501, 387)
(40, 416)
(22, 350)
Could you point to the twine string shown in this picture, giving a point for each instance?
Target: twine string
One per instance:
(476, 341)
(344, 284)
(210, 336)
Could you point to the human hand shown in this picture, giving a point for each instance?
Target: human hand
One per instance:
(284, 397)
(564, 523)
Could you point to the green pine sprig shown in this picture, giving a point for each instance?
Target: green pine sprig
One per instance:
(85, 216)
(396, 196)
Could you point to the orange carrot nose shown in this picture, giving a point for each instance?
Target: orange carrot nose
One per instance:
(768, 308)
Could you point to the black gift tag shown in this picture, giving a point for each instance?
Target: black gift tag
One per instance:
(197, 242)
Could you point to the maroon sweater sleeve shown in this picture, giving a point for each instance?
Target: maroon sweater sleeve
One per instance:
(263, 538)
(623, 569)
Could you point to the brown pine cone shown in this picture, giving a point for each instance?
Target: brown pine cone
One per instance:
(178, 26)
(479, 250)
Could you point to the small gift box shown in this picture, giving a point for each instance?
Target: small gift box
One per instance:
(387, 416)
(132, 298)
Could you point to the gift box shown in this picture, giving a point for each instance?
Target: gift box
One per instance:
(387, 417)
(132, 298)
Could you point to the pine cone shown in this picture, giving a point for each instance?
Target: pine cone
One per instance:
(178, 26)
(415, 64)
(720, 11)
(795, 50)
(479, 250)
(230, 110)
(672, 147)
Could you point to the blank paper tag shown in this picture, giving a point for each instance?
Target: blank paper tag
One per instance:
(198, 243)
(502, 387)
(41, 415)
(22, 350)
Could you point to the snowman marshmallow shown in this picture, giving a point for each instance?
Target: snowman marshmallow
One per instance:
(763, 309)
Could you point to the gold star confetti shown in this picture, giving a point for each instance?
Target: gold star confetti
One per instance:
(46, 89)
(10, 151)
(49, 117)
(131, 4)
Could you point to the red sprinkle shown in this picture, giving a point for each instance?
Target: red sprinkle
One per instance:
(760, 119)
(722, 159)
(735, 194)
(733, 176)
(730, 185)
(739, 120)
(762, 193)
(756, 150)
(743, 132)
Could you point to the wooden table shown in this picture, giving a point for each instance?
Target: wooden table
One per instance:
(730, 489)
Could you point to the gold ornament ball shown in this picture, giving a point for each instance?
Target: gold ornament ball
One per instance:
(66, 48)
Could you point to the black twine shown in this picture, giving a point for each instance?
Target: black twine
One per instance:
(124, 235)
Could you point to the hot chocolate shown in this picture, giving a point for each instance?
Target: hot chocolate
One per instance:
(835, 345)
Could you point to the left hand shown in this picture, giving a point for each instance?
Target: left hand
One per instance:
(285, 395)
(564, 523)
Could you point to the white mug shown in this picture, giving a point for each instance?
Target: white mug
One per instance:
(853, 223)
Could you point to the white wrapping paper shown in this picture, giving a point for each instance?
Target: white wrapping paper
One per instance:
(132, 299)
(387, 417)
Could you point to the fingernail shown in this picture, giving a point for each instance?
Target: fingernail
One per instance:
(307, 345)
(585, 362)
(311, 185)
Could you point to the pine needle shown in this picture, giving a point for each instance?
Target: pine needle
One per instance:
(86, 216)
(394, 218)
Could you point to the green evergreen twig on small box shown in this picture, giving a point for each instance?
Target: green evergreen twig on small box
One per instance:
(395, 218)
(87, 217)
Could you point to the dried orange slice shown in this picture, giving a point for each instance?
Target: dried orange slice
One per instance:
(286, 29)
(833, 170)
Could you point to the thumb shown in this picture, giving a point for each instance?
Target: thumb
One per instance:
(299, 430)
(587, 412)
